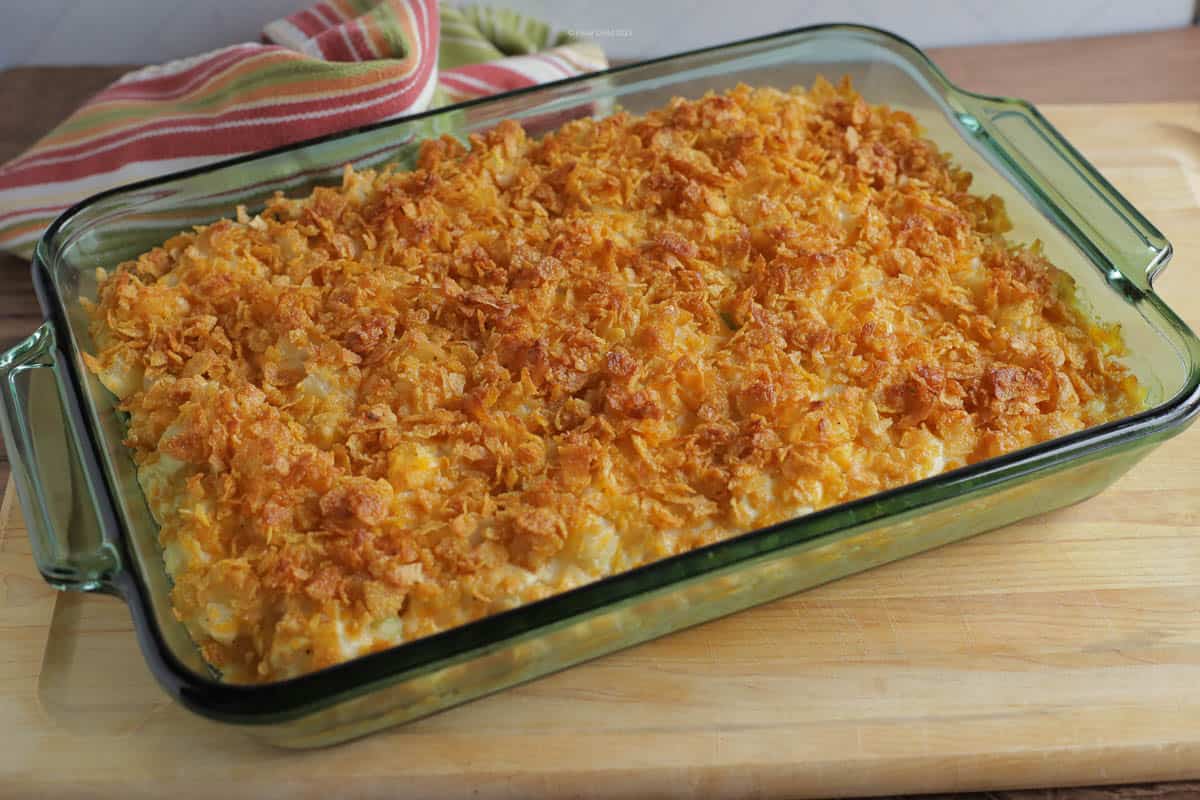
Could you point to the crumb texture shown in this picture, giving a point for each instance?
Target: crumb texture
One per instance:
(425, 396)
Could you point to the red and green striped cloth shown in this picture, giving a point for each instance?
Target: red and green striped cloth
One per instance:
(338, 64)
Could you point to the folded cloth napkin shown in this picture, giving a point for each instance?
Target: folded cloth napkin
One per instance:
(336, 65)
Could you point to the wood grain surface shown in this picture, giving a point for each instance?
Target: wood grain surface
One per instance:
(1158, 67)
(1032, 615)
(1064, 650)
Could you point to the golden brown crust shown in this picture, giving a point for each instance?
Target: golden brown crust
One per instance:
(425, 396)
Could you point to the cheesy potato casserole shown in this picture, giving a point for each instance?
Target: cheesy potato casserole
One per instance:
(425, 396)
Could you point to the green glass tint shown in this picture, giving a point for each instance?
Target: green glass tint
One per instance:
(92, 530)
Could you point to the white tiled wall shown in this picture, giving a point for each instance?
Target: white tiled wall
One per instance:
(141, 31)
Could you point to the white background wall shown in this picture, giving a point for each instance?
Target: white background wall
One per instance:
(143, 31)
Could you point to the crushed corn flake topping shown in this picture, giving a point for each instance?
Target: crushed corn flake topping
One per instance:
(422, 397)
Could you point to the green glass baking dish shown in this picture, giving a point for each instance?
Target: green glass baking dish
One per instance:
(91, 530)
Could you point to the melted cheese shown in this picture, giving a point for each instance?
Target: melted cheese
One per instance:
(423, 397)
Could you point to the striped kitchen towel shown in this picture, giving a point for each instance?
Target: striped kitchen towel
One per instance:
(336, 65)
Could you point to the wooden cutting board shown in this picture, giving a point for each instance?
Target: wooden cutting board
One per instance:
(1060, 651)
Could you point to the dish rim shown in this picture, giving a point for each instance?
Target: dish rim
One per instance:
(280, 701)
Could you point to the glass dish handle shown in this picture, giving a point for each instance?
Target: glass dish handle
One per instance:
(41, 425)
(1094, 214)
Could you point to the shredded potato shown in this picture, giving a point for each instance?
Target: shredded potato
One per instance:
(423, 397)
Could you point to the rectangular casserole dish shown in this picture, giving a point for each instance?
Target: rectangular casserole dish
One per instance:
(91, 530)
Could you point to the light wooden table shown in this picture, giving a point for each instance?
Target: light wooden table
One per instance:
(1140, 68)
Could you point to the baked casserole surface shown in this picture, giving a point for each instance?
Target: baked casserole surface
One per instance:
(423, 397)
